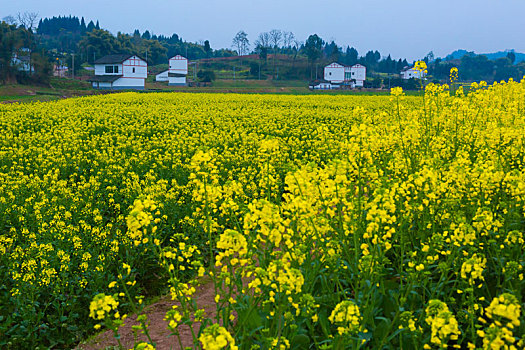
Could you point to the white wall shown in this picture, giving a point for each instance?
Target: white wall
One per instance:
(130, 82)
(177, 81)
(162, 76)
(135, 67)
(412, 73)
(334, 73)
(359, 74)
(178, 64)
(100, 69)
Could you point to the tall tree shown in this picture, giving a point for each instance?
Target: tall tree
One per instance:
(276, 37)
(207, 48)
(98, 43)
(351, 56)
(83, 27)
(511, 56)
(27, 19)
(241, 42)
(313, 48)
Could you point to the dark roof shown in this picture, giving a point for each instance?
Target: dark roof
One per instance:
(115, 58)
(105, 78)
(178, 75)
(319, 81)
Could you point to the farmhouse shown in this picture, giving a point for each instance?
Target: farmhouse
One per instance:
(60, 70)
(177, 72)
(354, 76)
(408, 73)
(322, 85)
(120, 72)
(22, 60)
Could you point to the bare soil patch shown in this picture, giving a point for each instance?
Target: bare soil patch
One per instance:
(156, 312)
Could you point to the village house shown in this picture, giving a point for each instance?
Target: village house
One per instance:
(22, 60)
(122, 71)
(322, 84)
(60, 70)
(409, 73)
(176, 73)
(339, 75)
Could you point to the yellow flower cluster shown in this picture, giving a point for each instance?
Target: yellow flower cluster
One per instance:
(503, 313)
(216, 337)
(101, 306)
(472, 269)
(453, 74)
(443, 324)
(346, 316)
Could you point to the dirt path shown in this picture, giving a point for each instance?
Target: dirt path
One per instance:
(157, 328)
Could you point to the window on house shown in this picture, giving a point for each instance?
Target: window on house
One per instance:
(109, 69)
(133, 69)
(115, 69)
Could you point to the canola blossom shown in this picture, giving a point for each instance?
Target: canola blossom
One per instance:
(319, 221)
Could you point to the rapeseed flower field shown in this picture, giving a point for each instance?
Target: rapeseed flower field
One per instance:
(323, 222)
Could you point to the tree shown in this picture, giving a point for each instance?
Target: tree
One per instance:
(9, 20)
(13, 41)
(288, 39)
(90, 26)
(83, 27)
(429, 57)
(262, 45)
(146, 35)
(275, 39)
(511, 56)
(241, 42)
(156, 53)
(296, 46)
(98, 43)
(313, 48)
(263, 39)
(206, 76)
(125, 45)
(27, 19)
(351, 56)
(207, 48)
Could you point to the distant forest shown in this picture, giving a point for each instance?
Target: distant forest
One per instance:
(64, 36)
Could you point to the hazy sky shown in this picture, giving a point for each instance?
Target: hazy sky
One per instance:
(403, 28)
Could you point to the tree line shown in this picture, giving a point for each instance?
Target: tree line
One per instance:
(64, 36)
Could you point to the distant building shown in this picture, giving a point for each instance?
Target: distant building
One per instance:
(409, 73)
(162, 76)
(323, 85)
(354, 76)
(60, 71)
(178, 70)
(22, 60)
(176, 73)
(120, 72)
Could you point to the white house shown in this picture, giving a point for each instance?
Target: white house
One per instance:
(408, 73)
(176, 73)
(178, 69)
(339, 74)
(120, 72)
(323, 85)
(22, 60)
(162, 76)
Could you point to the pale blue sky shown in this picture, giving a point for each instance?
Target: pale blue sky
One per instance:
(403, 28)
